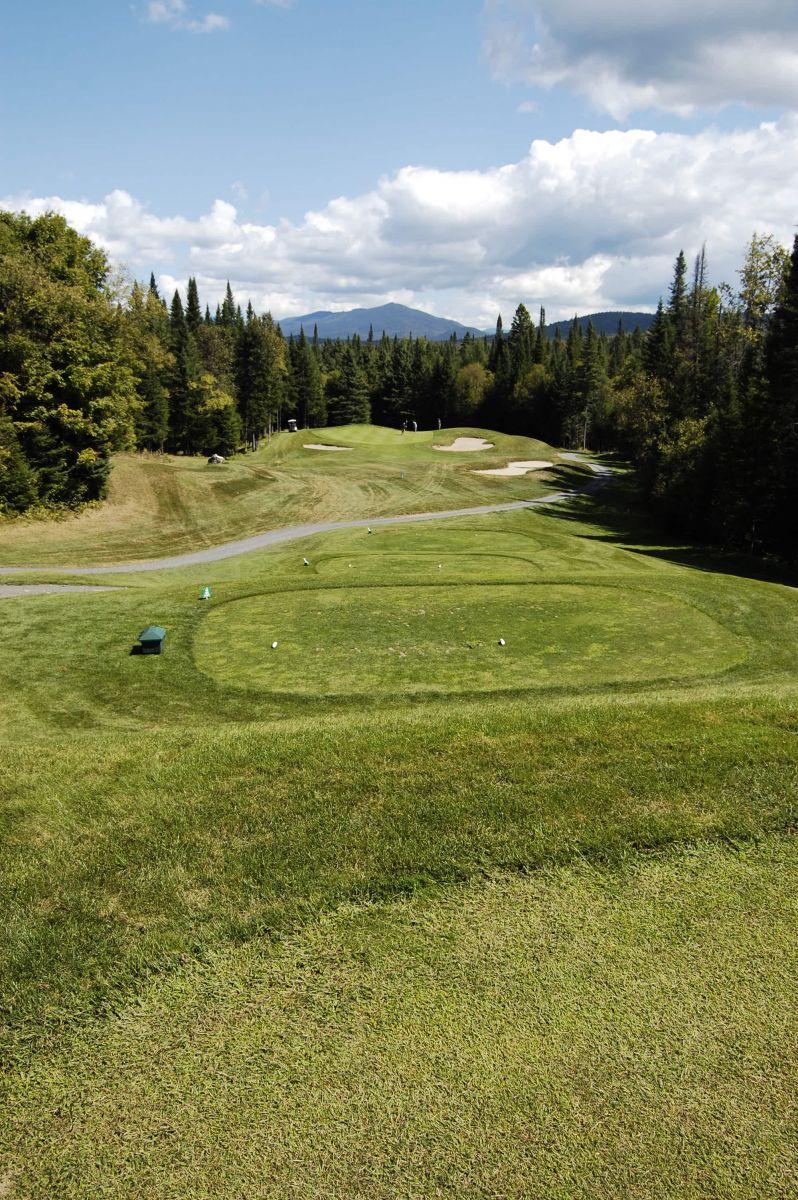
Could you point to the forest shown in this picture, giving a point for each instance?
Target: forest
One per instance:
(704, 405)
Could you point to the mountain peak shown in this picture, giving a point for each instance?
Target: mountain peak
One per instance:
(396, 320)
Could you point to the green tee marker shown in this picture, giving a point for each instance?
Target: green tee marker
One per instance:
(206, 594)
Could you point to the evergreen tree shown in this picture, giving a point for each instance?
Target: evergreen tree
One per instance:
(520, 343)
(677, 304)
(227, 314)
(152, 423)
(778, 430)
(658, 348)
(308, 396)
(193, 310)
(351, 406)
(541, 354)
(18, 490)
(497, 346)
(182, 376)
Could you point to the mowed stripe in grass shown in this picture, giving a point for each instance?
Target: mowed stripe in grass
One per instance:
(126, 855)
(614, 619)
(625, 1033)
(167, 504)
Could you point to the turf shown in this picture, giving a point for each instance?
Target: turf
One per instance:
(580, 1033)
(163, 504)
(419, 638)
(185, 837)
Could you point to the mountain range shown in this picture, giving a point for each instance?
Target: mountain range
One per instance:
(397, 320)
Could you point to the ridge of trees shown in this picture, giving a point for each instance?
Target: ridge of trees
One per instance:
(705, 403)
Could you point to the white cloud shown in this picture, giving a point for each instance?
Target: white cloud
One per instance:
(210, 23)
(628, 55)
(587, 223)
(176, 14)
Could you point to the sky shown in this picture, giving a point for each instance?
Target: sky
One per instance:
(460, 156)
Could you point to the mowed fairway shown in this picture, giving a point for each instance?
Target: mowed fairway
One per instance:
(393, 910)
(163, 504)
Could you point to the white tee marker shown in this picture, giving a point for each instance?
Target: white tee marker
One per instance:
(274, 645)
(502, 642)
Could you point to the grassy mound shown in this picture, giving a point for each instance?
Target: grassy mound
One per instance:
(445, 639)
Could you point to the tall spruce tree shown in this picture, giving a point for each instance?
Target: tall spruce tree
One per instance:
(193, 310)
(182, 377)
(308, 396)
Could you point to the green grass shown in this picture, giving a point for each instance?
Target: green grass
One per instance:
(162, 504)
(600, 811)
(577, 1034)
(419, 638)
(128, 855)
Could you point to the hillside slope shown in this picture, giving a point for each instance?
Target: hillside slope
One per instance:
(161, 504)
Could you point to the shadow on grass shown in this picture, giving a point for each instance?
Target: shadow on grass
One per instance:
(618, 514)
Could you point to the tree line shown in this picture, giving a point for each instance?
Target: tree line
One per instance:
(705, 404)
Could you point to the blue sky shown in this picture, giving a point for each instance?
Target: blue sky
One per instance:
(279, 109)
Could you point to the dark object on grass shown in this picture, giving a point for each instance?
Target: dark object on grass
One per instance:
(152, 639)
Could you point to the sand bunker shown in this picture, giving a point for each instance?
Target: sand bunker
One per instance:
(464, 444)
(318, 446)
(517, 468)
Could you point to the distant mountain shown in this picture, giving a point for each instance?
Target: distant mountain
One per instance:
(394, 319)
(397, 320)
(606, 322)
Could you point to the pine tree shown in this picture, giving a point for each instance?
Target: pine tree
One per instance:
(183, 374)
(520, 343)
(193, 310)
(497, 346)
(542, 347)
(658, 347)
(227, 313)
(351, 406)
(152, 424)
(590, 386)
(308, 396)
(677, 304)
(260, 373)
